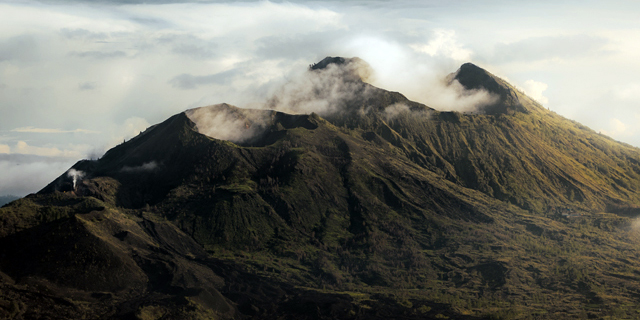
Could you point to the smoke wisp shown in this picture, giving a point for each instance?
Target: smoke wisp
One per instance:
(75, 175)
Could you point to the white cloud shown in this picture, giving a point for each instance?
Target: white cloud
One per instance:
(628, 92)
(24, 174)
(534, 89)
(551, 47)
(444, 43)
(119, 133)
(618, 129)
(4, 149)
(48, 130)
(75, 152)
(145, 167)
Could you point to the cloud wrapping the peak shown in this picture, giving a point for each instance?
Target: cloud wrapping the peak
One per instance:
(325, 91)
(229, 123)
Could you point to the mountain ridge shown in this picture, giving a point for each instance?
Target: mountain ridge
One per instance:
(381, 208)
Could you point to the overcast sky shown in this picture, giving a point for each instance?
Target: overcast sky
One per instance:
(77, 77)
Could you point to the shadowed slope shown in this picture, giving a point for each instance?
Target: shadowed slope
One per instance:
(381, 208)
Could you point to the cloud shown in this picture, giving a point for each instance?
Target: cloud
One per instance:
(444, 43)
(551, 47)
(84, 86)
(22, 147)
(188, 81)
(47, 130)
(130, 128)
(83, 34)
(20, 48)
(24, 174)
(454, 97)
(300, 46)
(618, 129)
(145, 167)
(4, 149)
(99, 55)
(229, 123)
(324, 91)
(534, 89)
(628, 92)
(190, 46)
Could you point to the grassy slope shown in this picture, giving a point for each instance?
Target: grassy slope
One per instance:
(403, 212)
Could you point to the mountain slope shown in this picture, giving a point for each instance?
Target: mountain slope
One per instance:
(379, 207)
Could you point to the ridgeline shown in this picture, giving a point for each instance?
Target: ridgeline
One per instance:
(384, 208)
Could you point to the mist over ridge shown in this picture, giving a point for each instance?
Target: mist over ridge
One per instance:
(332, 87)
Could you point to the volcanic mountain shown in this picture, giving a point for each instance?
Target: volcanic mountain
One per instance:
(373, 207)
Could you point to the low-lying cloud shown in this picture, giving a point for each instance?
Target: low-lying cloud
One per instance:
(323, 91)
(229, 123)
(24, 174)
(145, 167)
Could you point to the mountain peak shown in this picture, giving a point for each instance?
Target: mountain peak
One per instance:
(348, 68)
(324, 63)
(472, 77)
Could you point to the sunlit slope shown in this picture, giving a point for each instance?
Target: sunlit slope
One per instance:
(381, 208)
(522, 153)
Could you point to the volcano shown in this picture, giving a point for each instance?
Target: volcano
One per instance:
(377, 207)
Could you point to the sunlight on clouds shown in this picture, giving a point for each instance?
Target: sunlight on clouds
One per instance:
(534, 89)
(627, 92)
(444, 43)
(4, 149)
(618, 129)
(48, 130)
(75, 152)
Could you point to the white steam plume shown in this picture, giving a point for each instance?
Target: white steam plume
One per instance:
(75, 175)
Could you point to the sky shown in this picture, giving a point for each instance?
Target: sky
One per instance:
(79, 77)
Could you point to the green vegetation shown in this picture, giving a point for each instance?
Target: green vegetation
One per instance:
(515, 213)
